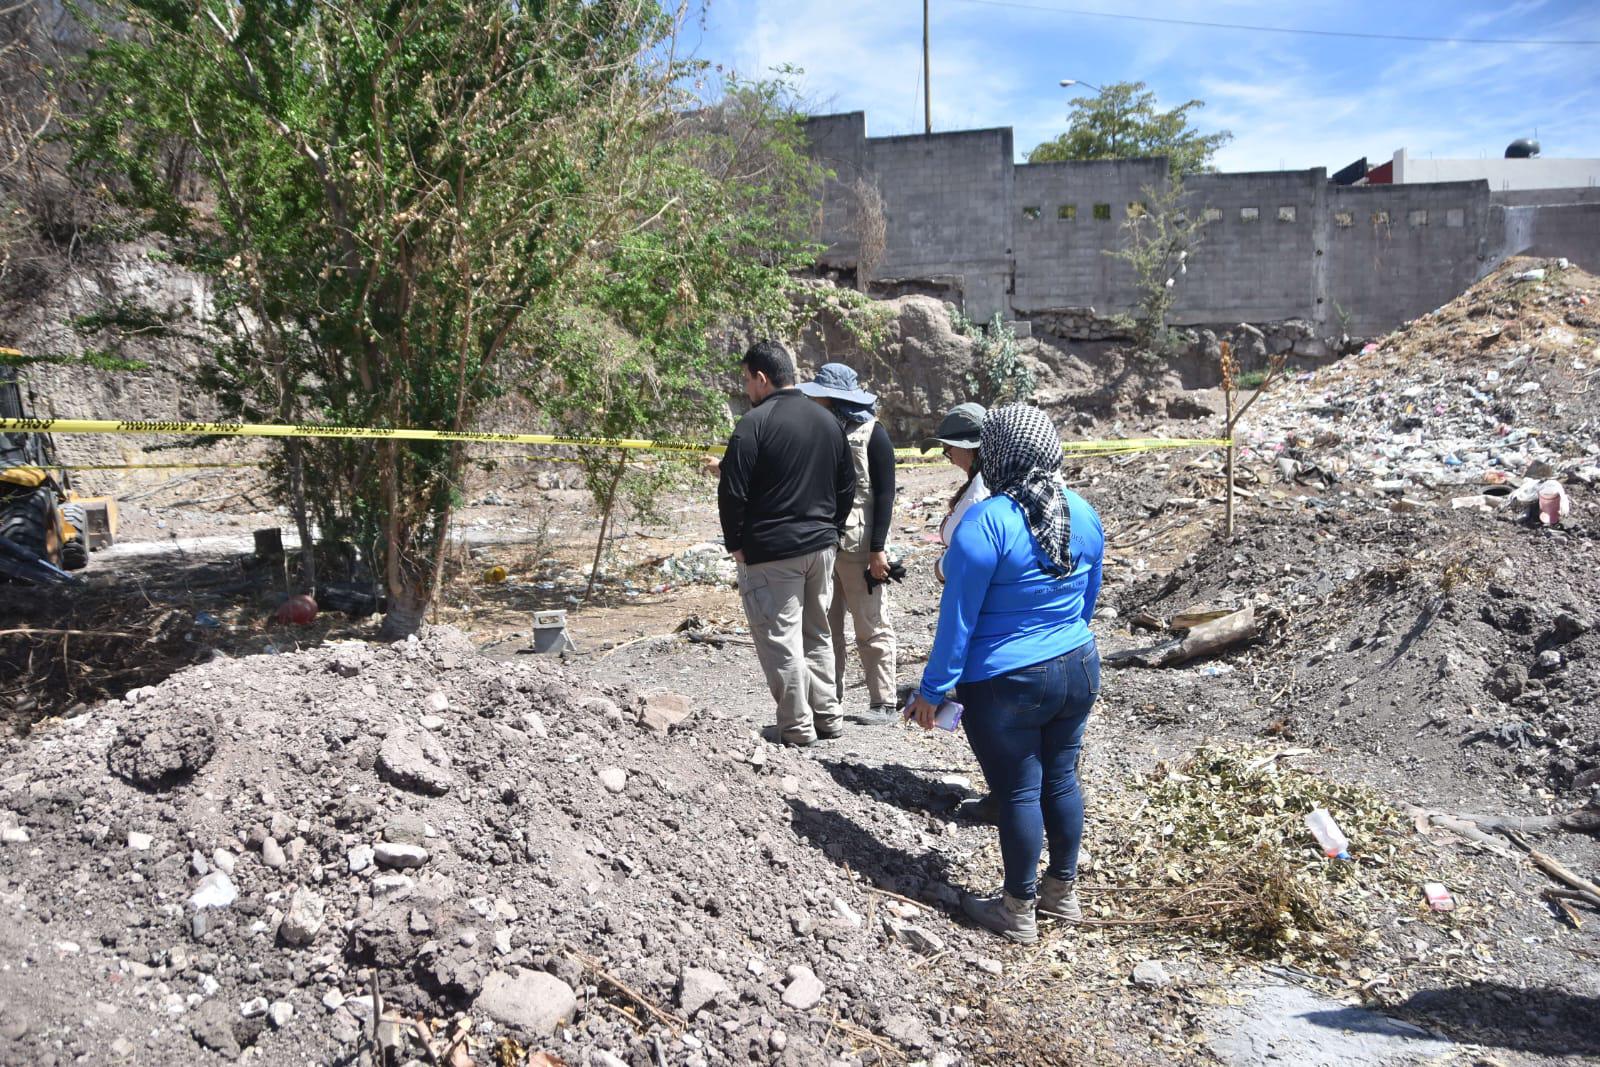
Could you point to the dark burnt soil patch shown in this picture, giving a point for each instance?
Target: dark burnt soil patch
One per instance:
(131, 624)
(1464, 648)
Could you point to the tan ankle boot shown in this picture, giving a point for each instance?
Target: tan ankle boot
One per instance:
(1005, 915)
(1058, 899)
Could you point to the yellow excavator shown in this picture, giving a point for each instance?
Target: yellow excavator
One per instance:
(46, 529)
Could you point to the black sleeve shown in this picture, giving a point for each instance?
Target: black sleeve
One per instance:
(733, 486)
(880, 468)
(845, 484)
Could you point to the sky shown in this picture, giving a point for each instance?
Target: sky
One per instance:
(1292, 101)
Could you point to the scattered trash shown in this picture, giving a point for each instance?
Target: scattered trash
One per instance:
(298, 610)
(702, 564)
(1215, 670)
(207, 620)
(1334, 844)
(494, 575)
(1535, 275)
(550, 633)
(1439, 898)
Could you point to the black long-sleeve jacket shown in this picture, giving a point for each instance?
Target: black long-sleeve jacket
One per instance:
(787, 480)
(880, 469)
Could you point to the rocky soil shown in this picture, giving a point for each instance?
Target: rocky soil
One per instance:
(221, 862)
(599, 861)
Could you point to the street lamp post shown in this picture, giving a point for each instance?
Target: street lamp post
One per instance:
(1116, 117)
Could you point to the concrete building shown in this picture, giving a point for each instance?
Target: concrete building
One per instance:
(1501, 174)
(964, 220)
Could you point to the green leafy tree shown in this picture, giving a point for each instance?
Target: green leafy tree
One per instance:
(1122, 121)
(636, 356)
(413, 201)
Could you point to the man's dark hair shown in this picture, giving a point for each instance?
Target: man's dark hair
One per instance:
(773, 360)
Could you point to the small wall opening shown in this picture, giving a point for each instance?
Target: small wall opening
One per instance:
(1067, 212)
(1102, 212)
(1031, 213)
(1286, 213)
(1249, 214)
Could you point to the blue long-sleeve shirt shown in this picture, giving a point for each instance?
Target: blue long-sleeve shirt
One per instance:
(1001, 611)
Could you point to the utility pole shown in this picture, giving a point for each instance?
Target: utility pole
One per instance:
(927, 102)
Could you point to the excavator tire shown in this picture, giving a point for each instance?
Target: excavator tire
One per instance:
(28, 519)
(75, 550)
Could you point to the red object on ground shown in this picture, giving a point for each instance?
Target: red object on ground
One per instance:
(298, 610)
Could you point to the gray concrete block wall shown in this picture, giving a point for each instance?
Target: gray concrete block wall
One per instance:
(946, 202)
(1064, 262)
(1570, 230)
(1588, 194)
(1398, 251)
(955, 206)
(1255, 259)
(839, 142)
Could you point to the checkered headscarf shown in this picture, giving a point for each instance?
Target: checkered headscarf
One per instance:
(1022, 460)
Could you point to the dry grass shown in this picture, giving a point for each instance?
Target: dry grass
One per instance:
(1216, 848)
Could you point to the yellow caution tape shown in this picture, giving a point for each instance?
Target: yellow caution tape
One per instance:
(246, 429)
(238, 429)
(1115, 446)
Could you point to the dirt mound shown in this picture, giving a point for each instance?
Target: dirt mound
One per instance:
(589, 871)
(1457, 646)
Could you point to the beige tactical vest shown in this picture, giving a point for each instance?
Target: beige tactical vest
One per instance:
(857, 531)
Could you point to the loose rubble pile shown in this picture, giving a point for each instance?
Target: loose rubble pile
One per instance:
(702, 564)
(1475, 399)
(1433, 636)
(232, 859)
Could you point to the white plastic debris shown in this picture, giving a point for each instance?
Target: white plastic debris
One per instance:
(216, 890)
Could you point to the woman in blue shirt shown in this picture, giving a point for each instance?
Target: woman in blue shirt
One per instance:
(1013, 643)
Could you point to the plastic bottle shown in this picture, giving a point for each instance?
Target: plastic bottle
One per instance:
(1334, 844)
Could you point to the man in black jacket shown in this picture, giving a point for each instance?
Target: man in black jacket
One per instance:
(786, 487)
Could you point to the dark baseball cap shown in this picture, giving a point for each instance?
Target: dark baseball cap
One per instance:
(961, 427)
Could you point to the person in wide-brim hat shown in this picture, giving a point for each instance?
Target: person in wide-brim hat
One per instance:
(835, 381)
(860, 569)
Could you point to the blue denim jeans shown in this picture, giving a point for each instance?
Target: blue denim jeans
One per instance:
(1026, 728)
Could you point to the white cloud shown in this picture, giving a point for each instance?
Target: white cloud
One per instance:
(1291, 101)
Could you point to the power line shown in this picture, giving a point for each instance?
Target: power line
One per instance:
(1268, 29)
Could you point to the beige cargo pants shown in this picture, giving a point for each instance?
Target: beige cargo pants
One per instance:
(874, 633)
(786, 603)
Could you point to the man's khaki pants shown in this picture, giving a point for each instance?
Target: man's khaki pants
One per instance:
(874, 635)
(786, 603)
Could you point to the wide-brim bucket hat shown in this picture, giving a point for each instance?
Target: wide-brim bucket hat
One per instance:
(962, 427)
(837, 382)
